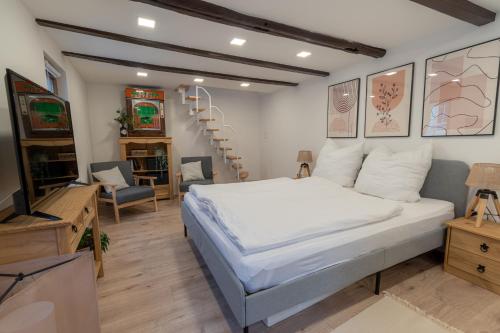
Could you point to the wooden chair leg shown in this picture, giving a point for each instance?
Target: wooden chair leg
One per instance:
(117, 213)
(156, 204)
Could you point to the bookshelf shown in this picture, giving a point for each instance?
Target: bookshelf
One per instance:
(151, 156)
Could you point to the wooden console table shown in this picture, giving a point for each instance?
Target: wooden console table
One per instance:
(27, 237)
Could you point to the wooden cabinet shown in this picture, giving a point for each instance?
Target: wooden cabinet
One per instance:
(151, 156)
(473, 254)
(27, 237)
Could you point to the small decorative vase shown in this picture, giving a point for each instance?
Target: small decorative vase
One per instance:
(123, 130)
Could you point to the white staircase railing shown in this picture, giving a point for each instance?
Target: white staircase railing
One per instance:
(221, 144)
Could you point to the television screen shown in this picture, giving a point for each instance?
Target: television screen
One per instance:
(41, 135)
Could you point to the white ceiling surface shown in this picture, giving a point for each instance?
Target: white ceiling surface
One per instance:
(382, 23)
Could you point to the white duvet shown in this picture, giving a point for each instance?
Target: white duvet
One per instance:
(258, 216)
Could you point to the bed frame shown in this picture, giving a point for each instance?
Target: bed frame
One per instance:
(445, 181)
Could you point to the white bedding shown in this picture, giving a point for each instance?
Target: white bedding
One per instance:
(269, 268)
(263, 215)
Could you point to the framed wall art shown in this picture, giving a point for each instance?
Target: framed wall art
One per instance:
(343, 108)
(388, 102)
(460, 94)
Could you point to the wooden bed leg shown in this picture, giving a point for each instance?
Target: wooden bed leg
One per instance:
(378, 276)
(185, 231)
(245, 329)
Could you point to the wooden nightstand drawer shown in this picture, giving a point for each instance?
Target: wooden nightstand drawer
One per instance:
(477, 244)
(474, 264)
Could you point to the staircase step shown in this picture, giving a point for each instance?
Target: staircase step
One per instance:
(220, 139)
(232, 157)
(244, 175)
(225, 148)
(191, 98)
(211, 129)
(198, 110)
(237, 166)
(205, 120)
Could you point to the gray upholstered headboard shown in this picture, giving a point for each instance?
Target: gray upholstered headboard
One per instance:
(446, 181)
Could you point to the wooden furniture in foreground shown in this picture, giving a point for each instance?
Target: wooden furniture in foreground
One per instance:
(473, 254)
(156, 162)
(27, 237)
(134, 194)
(49, 163)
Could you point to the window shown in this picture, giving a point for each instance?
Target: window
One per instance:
(52, 75)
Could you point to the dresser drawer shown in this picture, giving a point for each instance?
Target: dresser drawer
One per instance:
(474, 264)
(476, 244)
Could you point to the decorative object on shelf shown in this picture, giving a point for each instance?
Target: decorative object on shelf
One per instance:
(460, 94)
(125, 122)
(486, 177)
(304, 157)
(138, 152)
(66, 156)
(388, 102)
(343, 107)
(87, 240)
(145, 107)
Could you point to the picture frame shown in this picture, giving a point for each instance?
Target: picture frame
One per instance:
(388, 102)
(343, 109)
(461, 91)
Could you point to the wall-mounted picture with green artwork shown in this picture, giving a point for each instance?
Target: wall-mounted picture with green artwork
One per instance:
(146, 115)
(145, 107)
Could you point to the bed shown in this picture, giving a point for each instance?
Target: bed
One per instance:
(267, 284)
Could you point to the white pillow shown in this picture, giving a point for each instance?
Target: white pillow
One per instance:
(113, 177)
(340, 165)
(396, 176)
(192, 171)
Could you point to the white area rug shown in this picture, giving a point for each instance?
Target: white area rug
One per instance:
(392, 314)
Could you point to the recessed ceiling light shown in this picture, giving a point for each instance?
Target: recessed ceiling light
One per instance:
(144, 22)
(346, 94)
(455, 80)
(238, 41)
(432, 74)
(303, 54)
(245, 84)
(372, 96)
(199, 79)
(143, 74)
(391, 73)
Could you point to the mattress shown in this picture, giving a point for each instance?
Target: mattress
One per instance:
(272, 267)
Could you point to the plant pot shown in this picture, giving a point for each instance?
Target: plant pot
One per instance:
(123, 131)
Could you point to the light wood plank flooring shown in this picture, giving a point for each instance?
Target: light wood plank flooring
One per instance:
(154, 282)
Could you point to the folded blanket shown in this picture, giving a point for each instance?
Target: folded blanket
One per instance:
(258, 216)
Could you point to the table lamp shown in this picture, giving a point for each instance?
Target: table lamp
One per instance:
(486, 177)
(304, 157)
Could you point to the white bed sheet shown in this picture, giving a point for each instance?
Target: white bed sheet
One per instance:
(272, 267)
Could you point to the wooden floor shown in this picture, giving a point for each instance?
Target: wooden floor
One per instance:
(155, 283)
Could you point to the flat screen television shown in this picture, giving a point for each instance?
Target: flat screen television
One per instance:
(42, 135)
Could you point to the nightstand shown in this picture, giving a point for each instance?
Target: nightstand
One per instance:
(473, 254)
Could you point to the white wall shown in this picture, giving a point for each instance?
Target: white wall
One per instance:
(22, 50)
(295, 118)
(242, 110)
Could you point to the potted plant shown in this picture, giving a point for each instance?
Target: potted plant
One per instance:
(125, 121)
(87, 240)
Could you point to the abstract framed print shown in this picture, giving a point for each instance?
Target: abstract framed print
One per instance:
(460, 94)
(388, 102)
(343, 109)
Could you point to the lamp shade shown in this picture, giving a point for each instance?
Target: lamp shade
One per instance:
(305, 156)
(484, 175)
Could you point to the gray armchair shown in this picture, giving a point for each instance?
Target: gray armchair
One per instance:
(206, 168)
(133, 195)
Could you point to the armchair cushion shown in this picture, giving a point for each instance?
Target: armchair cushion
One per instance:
(184, 186)
(131, 193)
(124, 166)
(192, 171)
(206, 164)
(111, 176)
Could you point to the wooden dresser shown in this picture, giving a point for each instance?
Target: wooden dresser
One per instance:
(27, 237)
(473, 254)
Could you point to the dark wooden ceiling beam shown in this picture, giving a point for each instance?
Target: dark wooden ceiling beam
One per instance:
(177, 70)
(461, 9)
(178, 48)
(212, 12)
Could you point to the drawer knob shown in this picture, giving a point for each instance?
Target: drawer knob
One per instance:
(481, 268)
(484, 247)
(74, 228)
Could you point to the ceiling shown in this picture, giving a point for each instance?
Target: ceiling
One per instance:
(366, 21)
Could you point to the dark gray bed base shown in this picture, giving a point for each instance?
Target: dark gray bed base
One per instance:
(251, 308)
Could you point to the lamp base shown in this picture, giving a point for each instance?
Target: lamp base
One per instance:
(480, 202)
(304, 168)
